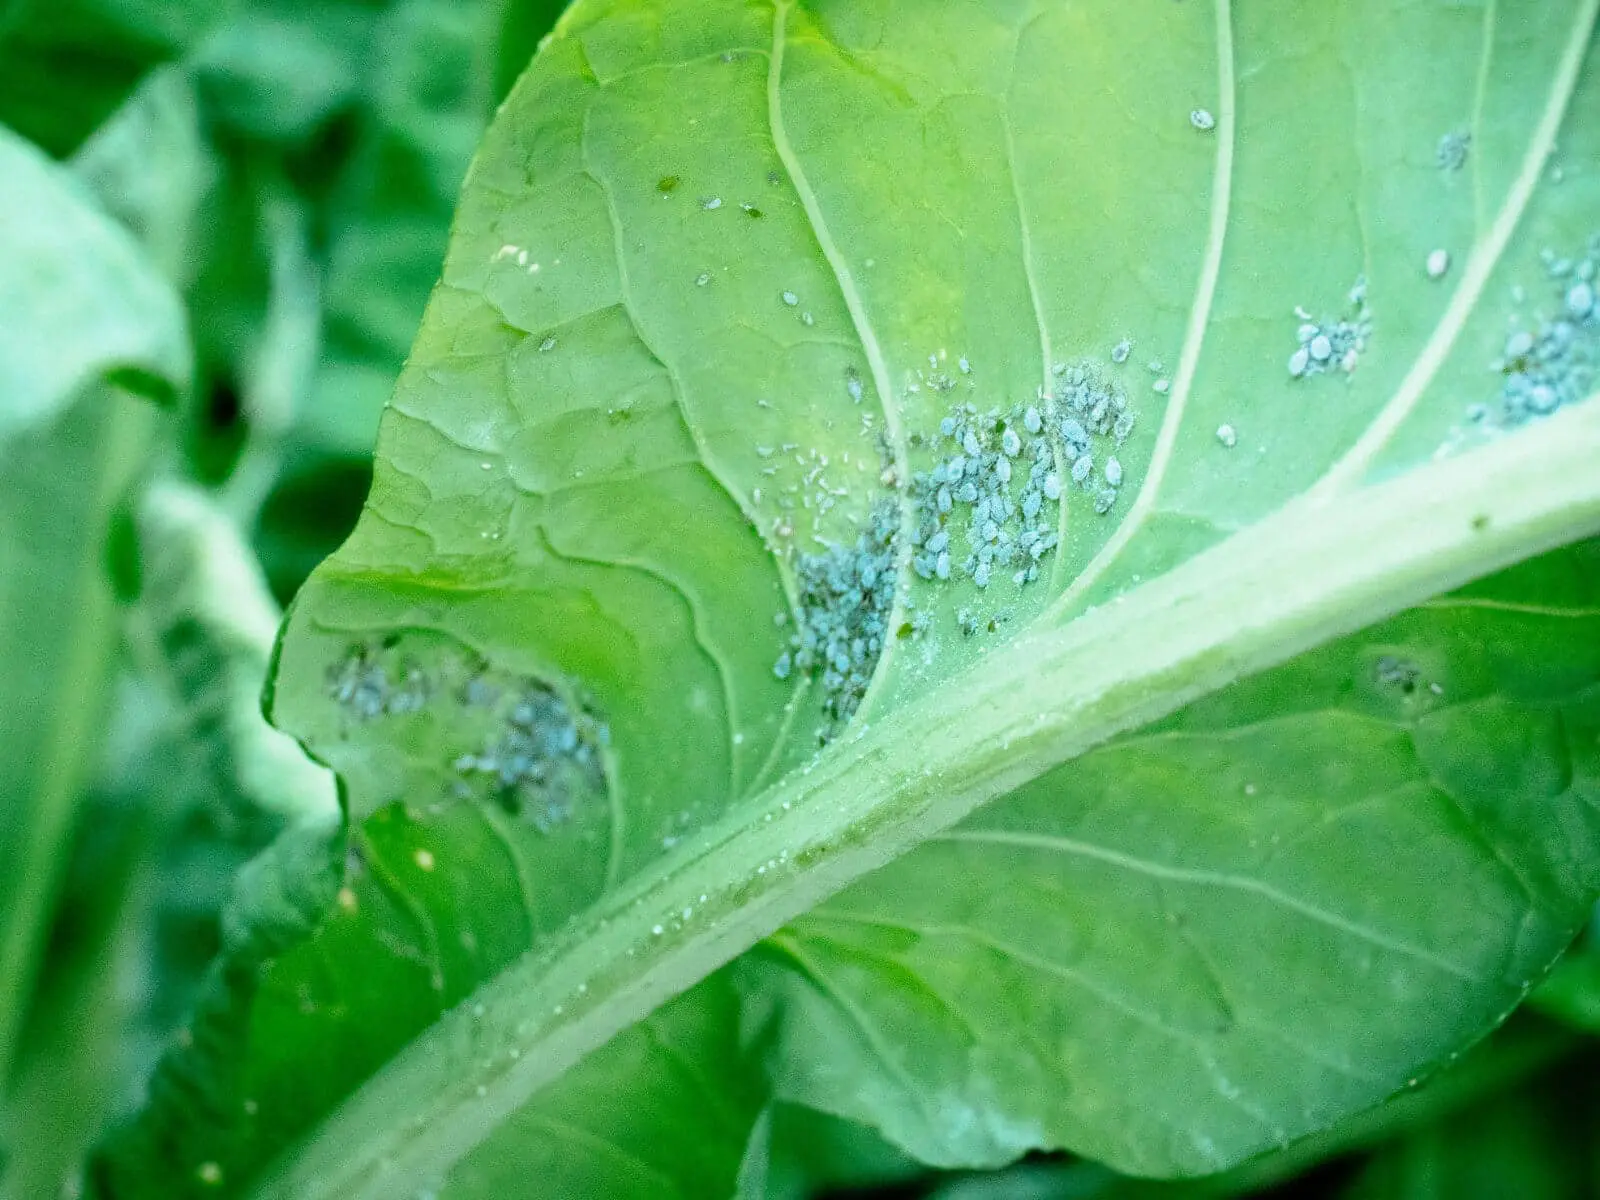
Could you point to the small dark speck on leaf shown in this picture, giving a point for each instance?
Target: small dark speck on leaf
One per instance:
(1480, 523)
(667, 184)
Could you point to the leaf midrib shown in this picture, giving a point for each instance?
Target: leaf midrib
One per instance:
(1291, 582)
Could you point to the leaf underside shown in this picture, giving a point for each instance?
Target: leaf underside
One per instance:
(726, 296)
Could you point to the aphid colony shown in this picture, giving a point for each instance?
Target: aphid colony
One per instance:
(987, 510)
(1555, 363)
(539, 759)
(538, 763)
(1333, 342)
(846, 596)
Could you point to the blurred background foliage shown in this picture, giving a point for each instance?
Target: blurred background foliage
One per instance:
(219, 224)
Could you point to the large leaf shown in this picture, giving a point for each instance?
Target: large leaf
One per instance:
(660, 626)
(83, 306)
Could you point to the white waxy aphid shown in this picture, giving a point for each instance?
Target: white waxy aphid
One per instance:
(548, 344)
(966, 367)
(1519, 344)
(1299, 362)
(1010, 443)
(1306, 332)
(941, 565)
(1227, 435)
(980, 576)
(1031, 421)
(970, 443)
(852, 384)
(1580, 299)
(807, 319)
(1002, 470)
(1438, 263)
(1202, 120)
(1321, 348)
(1120, 352)
(790, 299)
(1081, 468)
(1163, 386)
(1113, 472)
(711, 203)
(702, 279)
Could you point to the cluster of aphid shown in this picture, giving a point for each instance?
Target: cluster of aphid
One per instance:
(1558, 362)
(540, 757)
(1333, 343)
(988, 508)
(846, 595)
(361, 683)
(543, 760)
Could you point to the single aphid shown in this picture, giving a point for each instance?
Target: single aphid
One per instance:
(790, 299)
(702, 279)
(548, 344)
(1227, 435)
(1120, 352)
(1438, 263)
(1202, 120)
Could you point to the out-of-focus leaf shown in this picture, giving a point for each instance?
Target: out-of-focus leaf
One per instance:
(279, 70)
(1533, 1143)
(206, 609)
(149, 167)
(73, 1067)
(81, 298)
(82, 305)
(66, 65)
(428, 92)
